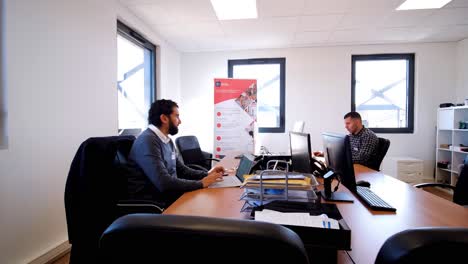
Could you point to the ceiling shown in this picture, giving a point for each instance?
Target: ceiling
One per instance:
(192, 25)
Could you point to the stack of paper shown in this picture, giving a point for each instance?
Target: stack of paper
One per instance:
(278, 177)
(250, 181)
(296, 219)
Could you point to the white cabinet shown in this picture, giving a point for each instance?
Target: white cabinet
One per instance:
(452, 137)
(406, 169)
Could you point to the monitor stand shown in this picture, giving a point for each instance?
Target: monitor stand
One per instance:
(338, 197)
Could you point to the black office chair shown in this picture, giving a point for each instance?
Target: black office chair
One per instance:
(96, 194)
(460, 190)
(425, 245)
(142, 238)
(382, 148)
(192, 154)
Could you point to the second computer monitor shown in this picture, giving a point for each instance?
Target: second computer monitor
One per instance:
(337, 151)
(300, 152)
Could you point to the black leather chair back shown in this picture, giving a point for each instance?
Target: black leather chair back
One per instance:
(143, 238)
(460, 194)
(425, 245)
(382, 148)
(92, 191)
(191, 152)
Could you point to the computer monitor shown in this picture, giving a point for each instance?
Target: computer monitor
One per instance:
(337, 152)
(130, 132)
(300, 152)
(298, 126)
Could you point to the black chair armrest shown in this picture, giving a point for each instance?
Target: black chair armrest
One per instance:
(443, 185)
(196, 167)
(139, 206)
(209, 156)
(214, 159)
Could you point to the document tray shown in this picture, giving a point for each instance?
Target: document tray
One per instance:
(337, 239)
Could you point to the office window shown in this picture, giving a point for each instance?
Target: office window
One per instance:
(270, 76)
(382, 91)
(135, 77)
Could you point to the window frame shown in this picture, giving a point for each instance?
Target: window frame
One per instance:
(282, 63)
(410, 58)
(137, 39)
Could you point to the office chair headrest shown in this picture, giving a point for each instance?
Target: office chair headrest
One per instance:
(425, 245)
(142, 237)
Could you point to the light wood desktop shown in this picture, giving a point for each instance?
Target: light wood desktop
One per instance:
(369, 229)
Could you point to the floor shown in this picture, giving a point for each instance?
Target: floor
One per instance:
(437, 191)
(63, 260)
(440, 192)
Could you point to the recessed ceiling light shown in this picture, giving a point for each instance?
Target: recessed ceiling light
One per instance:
(235, 9)
(422, 4)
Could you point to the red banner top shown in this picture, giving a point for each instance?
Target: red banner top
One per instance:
(226, 89)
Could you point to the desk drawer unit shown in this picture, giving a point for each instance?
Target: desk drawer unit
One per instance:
(406, 169)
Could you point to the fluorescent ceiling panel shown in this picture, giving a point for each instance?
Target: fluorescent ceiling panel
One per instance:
(422, 4)
(235, 9)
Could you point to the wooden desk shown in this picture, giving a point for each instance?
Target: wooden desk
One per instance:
(369, 229)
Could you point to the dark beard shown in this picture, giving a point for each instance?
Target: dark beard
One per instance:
(172, 128)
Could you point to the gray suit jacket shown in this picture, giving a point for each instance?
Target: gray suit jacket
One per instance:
(151, 155)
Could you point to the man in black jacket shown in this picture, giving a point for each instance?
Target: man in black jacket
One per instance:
(165, 176)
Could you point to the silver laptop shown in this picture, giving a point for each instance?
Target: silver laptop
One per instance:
(245, 165)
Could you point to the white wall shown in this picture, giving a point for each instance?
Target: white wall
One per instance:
(61, 80)
(3, 107)
(462, 70)
(318, 90)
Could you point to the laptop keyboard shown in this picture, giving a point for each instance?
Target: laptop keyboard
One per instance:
(373, 200)
(228, 181)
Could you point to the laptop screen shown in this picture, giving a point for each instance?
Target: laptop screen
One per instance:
(245, 165)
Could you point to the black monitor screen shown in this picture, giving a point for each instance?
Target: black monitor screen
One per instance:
(300, 152)
(338, 157)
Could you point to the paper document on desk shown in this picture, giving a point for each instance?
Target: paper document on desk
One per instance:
(271, 183)
(296, 219)
(278, 177)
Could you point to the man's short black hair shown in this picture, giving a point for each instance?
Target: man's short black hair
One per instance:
(353, 115)
(158, 108)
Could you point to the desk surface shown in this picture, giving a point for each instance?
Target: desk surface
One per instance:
(369, 229)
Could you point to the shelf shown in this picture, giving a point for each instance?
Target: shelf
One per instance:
(456, 172)
(457, 130)
(460, 107)
(449, 133)
(450, 150)
(444, 149)
(454, 107)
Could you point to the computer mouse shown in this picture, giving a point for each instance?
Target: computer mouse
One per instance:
(363, 183)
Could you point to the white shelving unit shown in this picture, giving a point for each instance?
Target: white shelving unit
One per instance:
(449, 139)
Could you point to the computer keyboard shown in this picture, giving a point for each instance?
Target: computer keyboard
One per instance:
(372, 200)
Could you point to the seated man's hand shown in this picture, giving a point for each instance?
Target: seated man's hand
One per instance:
(211, 178)
(217, 168)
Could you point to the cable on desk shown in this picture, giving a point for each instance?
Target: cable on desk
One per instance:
(350, 257)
